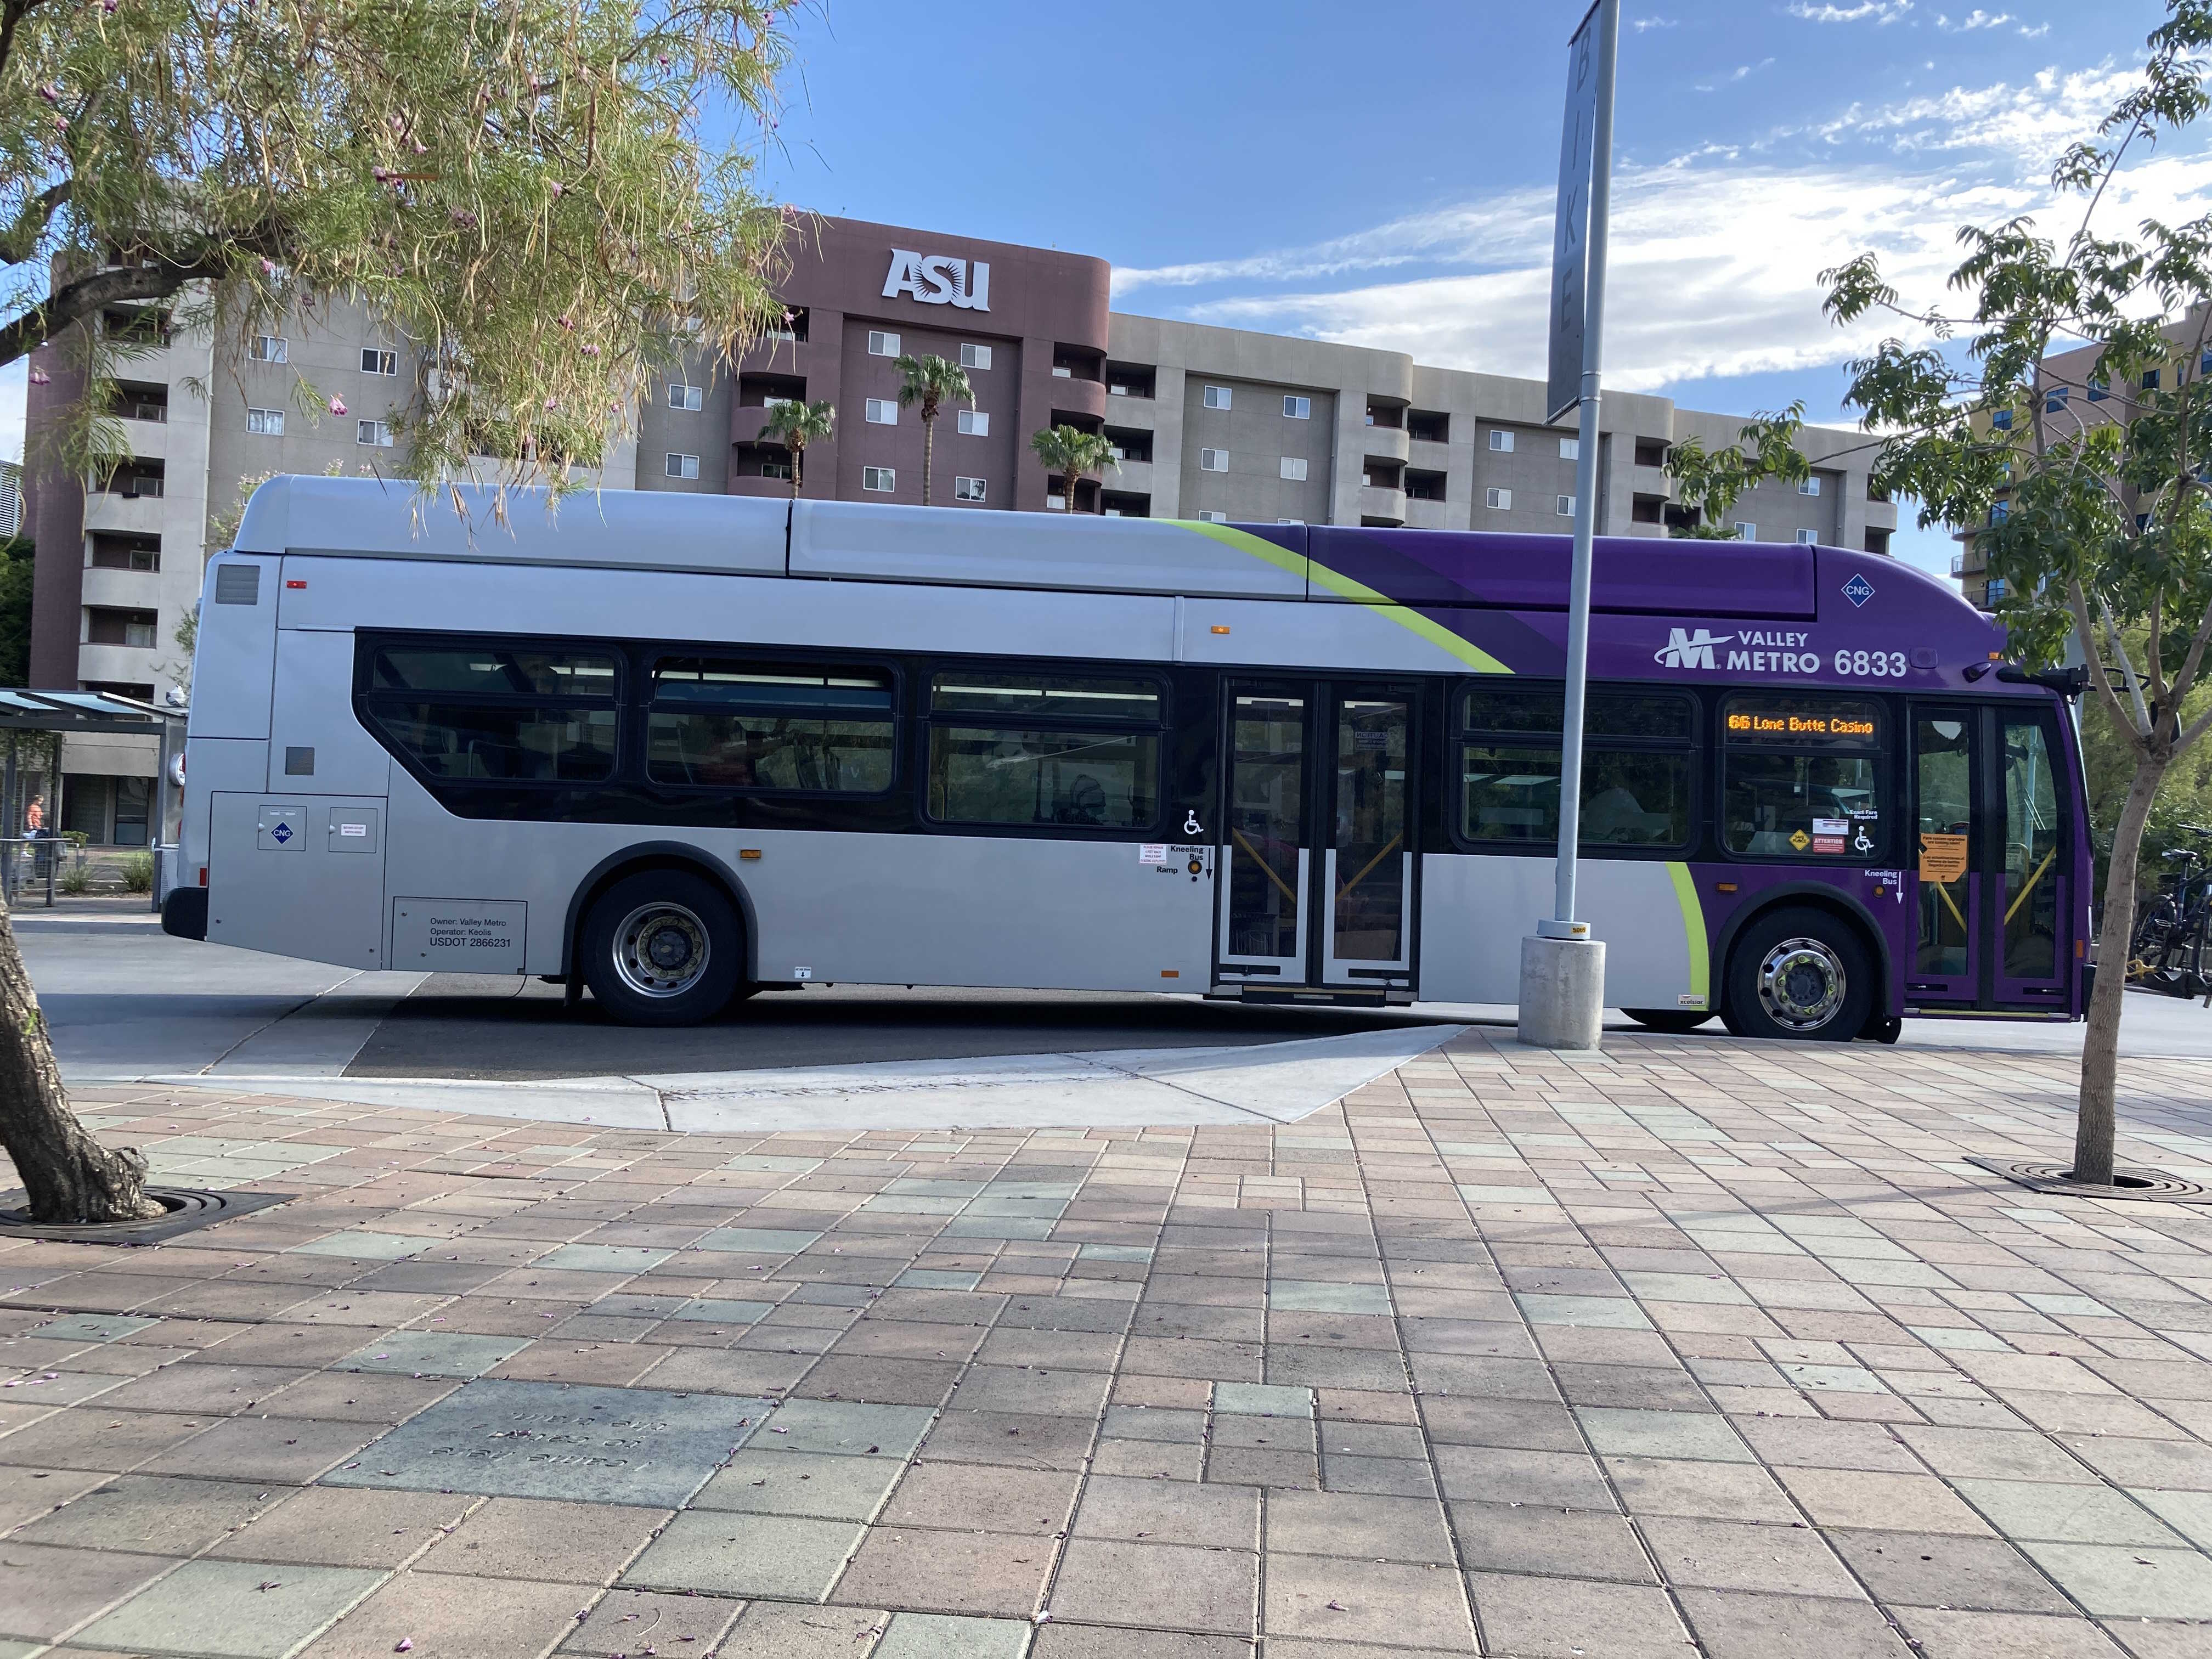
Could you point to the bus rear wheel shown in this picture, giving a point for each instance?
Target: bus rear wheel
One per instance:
(1675, 1021)
(1799, 973)
(663, 947)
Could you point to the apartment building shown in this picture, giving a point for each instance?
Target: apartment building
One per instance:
(1208, 422)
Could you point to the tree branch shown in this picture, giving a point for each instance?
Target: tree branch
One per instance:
(2127, 666)
(29, 229)
(74, 301)
(11, 13)
(2078, 603)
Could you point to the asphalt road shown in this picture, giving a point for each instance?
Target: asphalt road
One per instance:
(124, 999)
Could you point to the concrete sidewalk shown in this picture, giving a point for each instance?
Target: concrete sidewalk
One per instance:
(1688, 1347)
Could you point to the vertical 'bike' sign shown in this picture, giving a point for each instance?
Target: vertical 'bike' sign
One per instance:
(1571, 225)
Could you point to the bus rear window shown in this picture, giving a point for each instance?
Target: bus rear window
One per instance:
(494, 671)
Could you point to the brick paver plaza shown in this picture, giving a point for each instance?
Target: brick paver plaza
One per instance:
(1693, 1346)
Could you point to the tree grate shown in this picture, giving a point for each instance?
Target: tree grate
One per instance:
(2141, 1186)
(184, 1209)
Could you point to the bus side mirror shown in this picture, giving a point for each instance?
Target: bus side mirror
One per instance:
(2068, 682)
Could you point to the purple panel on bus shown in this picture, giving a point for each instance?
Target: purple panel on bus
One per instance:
(1530, 573)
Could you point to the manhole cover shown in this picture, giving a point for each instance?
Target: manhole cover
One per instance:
(184, 1208)
(2154, 1186)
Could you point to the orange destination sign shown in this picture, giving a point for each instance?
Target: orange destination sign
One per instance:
(1800, 726)
(1942, 857)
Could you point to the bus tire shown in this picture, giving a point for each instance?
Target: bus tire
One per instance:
(1673, 1021)
(1800, 973)
(663, 947)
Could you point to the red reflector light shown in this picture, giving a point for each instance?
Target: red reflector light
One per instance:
(295, 584)
(203, 875)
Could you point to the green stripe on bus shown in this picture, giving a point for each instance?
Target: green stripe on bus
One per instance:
(1694, 934)
(1435, 632)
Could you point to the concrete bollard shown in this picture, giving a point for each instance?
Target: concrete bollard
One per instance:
(1562, 991)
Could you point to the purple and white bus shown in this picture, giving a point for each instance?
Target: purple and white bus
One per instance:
(681, 749)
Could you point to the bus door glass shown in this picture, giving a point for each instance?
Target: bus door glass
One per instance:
(1264, 856)
(1367, 871)
(1993, 867)
(2031, 872)
(1943, 968)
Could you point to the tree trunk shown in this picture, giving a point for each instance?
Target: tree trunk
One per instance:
(797, 450)
(928, 453)
(69, 1175)
(2094, 1125)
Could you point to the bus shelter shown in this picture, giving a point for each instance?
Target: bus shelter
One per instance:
(34, 859)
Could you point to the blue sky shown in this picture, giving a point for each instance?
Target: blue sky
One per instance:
(1383, 174)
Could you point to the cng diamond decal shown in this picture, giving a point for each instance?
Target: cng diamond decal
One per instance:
(1858, 590)
(1801, 841)
(281, 834)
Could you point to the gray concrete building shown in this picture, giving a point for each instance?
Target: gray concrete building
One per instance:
(1209, 422)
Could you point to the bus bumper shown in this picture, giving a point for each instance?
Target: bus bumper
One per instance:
(184, 913)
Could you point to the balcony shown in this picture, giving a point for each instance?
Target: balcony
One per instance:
(1386, 443)
(1136, 381)
(1381, 504)
(1958, 564)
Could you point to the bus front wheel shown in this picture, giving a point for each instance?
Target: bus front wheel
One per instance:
(1799, 973)
(663, 947)
(1673, 1021)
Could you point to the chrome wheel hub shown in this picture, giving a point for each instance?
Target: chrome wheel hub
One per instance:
(1801, 984)
(661, 950)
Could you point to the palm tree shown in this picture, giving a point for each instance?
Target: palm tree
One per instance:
(929, 381)
(794, 424)
(1070, 451)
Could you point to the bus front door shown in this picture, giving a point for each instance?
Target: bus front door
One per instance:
(1992, 862)
(1317, 872)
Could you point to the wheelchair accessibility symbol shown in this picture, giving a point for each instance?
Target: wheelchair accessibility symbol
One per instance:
(1190, 824)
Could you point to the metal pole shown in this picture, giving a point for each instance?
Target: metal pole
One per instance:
(1586, 475)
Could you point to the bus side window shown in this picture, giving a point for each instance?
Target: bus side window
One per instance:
(495, 712)
(1803, 778)
(1636, 768)
(1011, 745)
(726, 724)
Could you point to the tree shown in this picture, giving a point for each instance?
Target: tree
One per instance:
(517, 187)
(2089, 502)
(15, 567)
(1070, 451)
(794, 424)
(930, 381)
(1711, 481)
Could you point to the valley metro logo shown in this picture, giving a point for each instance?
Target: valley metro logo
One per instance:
(1687, 649)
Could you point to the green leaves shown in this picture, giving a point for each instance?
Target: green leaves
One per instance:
(519, 192)
(1712, 481)
(1072, 452)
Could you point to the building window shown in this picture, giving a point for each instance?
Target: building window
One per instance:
(1496, 497)
(1297, 409)
(2001, 419)
(974, 422)
(2099, 391)
(1998, 511)
(375, 360)
(882, 480)
(118, 552)
(974, 356)
(1213, 460)
(1997, 588)
(270, 349)
(1217, 396)
(1570, 449)
(376, 433)
(681, 396)
(1806, 539)
(266, 422)
(882, 412)
(1745, 529)
(969, 490)
(881, 344)
(1294, 468)
(2150, 379)
(1563, 507)
(1213, 518)
(680, 466)
(2054, 400)
(1809, 485)
(1501, 441)
(137, 629)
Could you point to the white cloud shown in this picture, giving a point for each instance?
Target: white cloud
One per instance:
(15, 387)
(2031, 121)
(1645, 25)
(1975, 19)
(1740, 72)
(1882, 11)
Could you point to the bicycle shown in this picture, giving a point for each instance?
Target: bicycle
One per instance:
(2172, 949)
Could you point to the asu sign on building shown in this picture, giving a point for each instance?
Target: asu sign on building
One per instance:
(936, 280)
